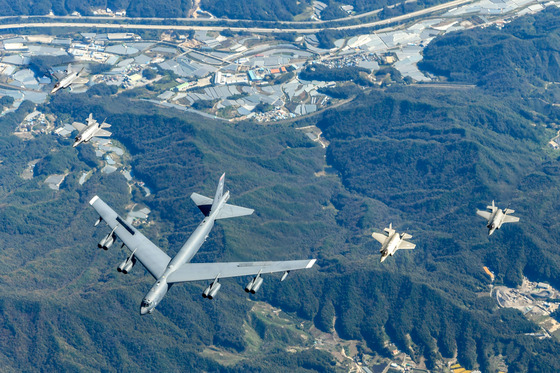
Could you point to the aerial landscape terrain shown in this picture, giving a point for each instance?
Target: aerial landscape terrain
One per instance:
(339, 123)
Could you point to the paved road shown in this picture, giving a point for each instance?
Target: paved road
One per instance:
(55, 22)
(194, 20)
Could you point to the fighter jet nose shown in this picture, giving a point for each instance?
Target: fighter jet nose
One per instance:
(143, 310)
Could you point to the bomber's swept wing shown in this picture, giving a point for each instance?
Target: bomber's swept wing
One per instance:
(381, 238)
(102, 133)
(485, 214)
(210, 271)
(145, 251)
(79, 126)
(406, 245)
(510, 219)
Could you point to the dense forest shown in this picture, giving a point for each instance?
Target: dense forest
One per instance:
(520, 58)
(133, 8)
(269, 10)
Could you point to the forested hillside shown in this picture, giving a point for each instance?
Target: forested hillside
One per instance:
(133, 8)
(521, 58)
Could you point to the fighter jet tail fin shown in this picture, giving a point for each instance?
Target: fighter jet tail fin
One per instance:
(406, 236)
(389, 230)
(492, 207)
(509, 211)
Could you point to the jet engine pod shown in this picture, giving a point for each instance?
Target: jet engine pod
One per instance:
(215, 288)
(212, 289)
(109, 241)
(122, 265)
(101, 243)
(128, 266)
(256, 285)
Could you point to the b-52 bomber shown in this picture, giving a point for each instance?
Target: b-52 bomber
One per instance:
(392, 242)
(168, 271)
(92, 129)
(66, 80)
(496, 217)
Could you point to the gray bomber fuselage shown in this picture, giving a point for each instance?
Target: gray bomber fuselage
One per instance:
(185, 254)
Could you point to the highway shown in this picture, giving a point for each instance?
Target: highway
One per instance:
(54, 21)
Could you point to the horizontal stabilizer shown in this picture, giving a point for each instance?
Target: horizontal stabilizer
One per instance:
(491, 208)
(204, 203)
(227, 211)
(232, 211)
(105, 125)
(406, 236)
(509, 211)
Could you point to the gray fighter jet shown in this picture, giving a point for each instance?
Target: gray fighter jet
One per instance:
(168, 271)
(496, 217)
(92, 129)
(392, 242)
(66, 80)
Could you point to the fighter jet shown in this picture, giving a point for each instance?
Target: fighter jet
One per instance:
(496, 217)
(67, 80)
(392, 242)
(89, 130)
(168, 271)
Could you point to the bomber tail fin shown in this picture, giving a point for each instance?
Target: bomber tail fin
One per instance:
(219, 191)
(206, 205)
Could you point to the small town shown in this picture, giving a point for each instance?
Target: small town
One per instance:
(232, 76)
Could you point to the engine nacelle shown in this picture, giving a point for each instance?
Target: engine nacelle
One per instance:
(109, 242)
(127, 265)
(215, 288)
(211, 291)
(106, 241)
(254, 285)
(257, 285)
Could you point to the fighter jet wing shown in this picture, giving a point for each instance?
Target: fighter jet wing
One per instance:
(380, 237)
(510, 219)
(79, 126)
(406, 245)
(102, 133)
(210, 271)
(485, 214)
(145, 251)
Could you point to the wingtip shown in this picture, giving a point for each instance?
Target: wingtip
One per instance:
(311, 263)
(92, 201)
